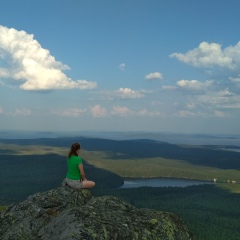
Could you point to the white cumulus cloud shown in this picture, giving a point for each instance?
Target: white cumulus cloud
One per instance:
(195, 85)
(211, 54)
(220, 114)
(169, 87)
(235, 80)
(123, 93)
(19, 112)
(186, 113)
(154, 75)
(33, 66)
(122, 66)
(146, 113)
(71, 112)
(223, 99)
(129, 93)
(121, 111)
(98, 111)
(125, 111)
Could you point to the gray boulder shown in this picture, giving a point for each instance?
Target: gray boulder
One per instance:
(65, 213)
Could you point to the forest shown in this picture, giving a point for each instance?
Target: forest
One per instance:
(210, 211)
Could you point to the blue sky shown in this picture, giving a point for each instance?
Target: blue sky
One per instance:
(171, 66)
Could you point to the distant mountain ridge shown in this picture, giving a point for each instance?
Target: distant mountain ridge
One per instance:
(213, 156)
(175, 138)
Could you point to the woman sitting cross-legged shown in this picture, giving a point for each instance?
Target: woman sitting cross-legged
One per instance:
(75, 176)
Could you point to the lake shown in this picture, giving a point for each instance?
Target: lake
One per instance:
(161, 182)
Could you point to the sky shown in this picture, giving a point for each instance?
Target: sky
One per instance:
(129, 65)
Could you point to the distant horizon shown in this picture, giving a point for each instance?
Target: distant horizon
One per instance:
(119, 131)
(169, 137)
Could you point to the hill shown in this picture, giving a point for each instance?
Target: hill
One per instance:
(204, 155)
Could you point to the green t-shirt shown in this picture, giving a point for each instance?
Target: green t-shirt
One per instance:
(73, 170)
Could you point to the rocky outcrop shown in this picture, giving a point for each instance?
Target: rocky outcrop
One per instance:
(65, 213)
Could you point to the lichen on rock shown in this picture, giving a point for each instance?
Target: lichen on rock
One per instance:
(65, 213)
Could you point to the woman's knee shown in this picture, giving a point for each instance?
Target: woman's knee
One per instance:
(88, 184)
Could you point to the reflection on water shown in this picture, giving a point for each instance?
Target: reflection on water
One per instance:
(161, 182)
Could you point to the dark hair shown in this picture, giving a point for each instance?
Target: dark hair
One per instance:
(73, 149)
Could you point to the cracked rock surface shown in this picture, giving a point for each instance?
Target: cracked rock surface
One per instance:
(69, 214)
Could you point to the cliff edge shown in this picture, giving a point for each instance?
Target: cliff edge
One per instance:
(65, 213)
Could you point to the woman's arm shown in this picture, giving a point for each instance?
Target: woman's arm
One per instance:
(81, 169)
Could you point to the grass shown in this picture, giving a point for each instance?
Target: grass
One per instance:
(160, 167)
(232, 188)
(14, 149)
